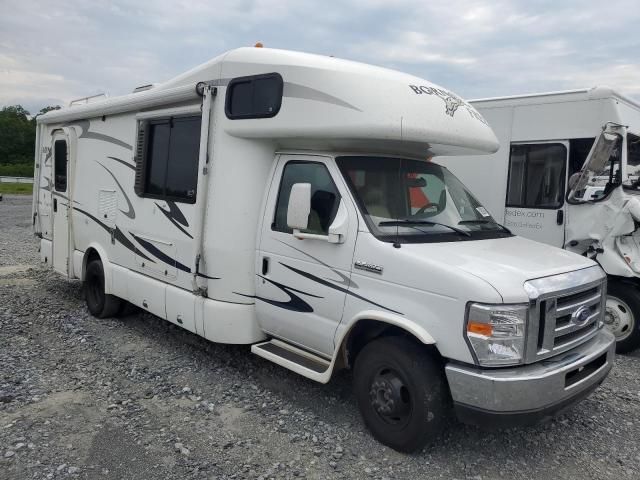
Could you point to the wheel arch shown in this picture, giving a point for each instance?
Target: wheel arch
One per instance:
(369, 325)
(92, 252)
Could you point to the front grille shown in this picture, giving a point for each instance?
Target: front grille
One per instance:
(564, 312)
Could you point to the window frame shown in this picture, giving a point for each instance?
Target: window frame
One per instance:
(146, 124)
(526, 172)
(251, 79)
(66, 165)
(277, 202)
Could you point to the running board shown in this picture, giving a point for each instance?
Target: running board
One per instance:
(295, 359)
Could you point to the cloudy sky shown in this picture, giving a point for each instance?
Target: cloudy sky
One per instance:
(51, 52)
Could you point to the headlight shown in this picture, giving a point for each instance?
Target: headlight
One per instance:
(496, 333)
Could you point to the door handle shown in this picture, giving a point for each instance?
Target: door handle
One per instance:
(265, 265)
(560, 217)
(55, 204)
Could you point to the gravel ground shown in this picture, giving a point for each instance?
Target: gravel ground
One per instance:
(138, 398)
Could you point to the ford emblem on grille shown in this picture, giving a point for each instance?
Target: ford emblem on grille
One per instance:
(581, 315)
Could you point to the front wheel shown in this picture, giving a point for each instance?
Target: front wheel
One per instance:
(99, 303)
(401, 392)
(622, 313)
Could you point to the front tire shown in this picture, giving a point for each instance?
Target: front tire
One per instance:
(622, 313)
(401, 392)
(99, 303)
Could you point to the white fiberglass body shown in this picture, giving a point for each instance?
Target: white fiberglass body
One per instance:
(290, 199)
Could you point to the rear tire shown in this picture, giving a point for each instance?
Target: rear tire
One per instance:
(622, 314)
(401, 392)
(99, 303)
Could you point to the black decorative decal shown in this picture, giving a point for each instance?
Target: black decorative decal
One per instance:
(49, 186)
(175, 216)
(85, 124)
(160, 255)
(335, 287)
(207, 276)
(130, 211)
(117, 234)
(451, 101)
(295, 303)
(346, 281)
(126, 164)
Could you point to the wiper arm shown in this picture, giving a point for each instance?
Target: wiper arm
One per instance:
(414, 223)
(482, 220)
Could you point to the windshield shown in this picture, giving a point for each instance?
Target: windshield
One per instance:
(415, 201)
(602, 172)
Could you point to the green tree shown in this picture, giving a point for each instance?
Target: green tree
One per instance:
(17, 135)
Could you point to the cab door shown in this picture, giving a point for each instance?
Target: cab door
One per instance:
(301, 284)
(60, 203)
(535, 204)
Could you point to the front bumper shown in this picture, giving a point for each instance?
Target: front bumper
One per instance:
(529, 394)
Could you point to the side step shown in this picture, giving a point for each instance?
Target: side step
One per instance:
(295, 359)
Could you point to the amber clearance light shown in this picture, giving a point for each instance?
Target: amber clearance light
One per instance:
(480, 328)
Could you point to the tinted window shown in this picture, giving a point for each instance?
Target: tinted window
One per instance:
(173, 149)
(633, 155)
(324, 196)
(537, 175)
(184, 149)
(258, 96)
(157, 157)
(60, 165)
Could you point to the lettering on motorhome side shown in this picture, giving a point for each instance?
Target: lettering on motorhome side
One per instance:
(523, 213)
(451, 100)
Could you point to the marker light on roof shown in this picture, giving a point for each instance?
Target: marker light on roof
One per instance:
(259, 45)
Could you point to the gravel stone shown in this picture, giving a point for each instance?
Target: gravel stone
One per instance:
(139, 398)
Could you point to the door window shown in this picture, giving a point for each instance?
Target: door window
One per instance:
(325, 198)
(537, 176)
(60, 165)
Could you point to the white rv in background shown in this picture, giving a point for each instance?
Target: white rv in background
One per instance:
(568, 174)
(286, 201)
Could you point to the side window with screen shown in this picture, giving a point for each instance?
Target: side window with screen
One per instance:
(537, 176)
(60, 165)
(257, 96)
(325, 198)
(170, 149)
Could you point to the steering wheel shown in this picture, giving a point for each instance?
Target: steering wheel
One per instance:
(424, 208)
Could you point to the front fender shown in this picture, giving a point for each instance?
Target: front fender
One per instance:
(386, 317)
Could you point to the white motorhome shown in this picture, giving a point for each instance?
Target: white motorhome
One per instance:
(287, 201)
(567, 174)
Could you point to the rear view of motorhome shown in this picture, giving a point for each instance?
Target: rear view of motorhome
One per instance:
(289, 202)
(567, 174)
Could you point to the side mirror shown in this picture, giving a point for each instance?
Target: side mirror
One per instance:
(299, 206)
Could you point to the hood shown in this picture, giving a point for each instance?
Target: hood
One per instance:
(504, 263)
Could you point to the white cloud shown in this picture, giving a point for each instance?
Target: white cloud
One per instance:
(474, 48)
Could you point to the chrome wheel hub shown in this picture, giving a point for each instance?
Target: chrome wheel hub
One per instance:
(619, 318)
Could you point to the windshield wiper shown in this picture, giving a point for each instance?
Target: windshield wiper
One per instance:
(482, 220)
(414, 223)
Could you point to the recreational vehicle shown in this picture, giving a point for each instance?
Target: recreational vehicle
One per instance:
(287, 201)
(567, 174)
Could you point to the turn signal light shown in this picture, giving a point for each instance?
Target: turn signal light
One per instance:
(480, 328)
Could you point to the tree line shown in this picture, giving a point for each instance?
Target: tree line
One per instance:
(18, 140)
